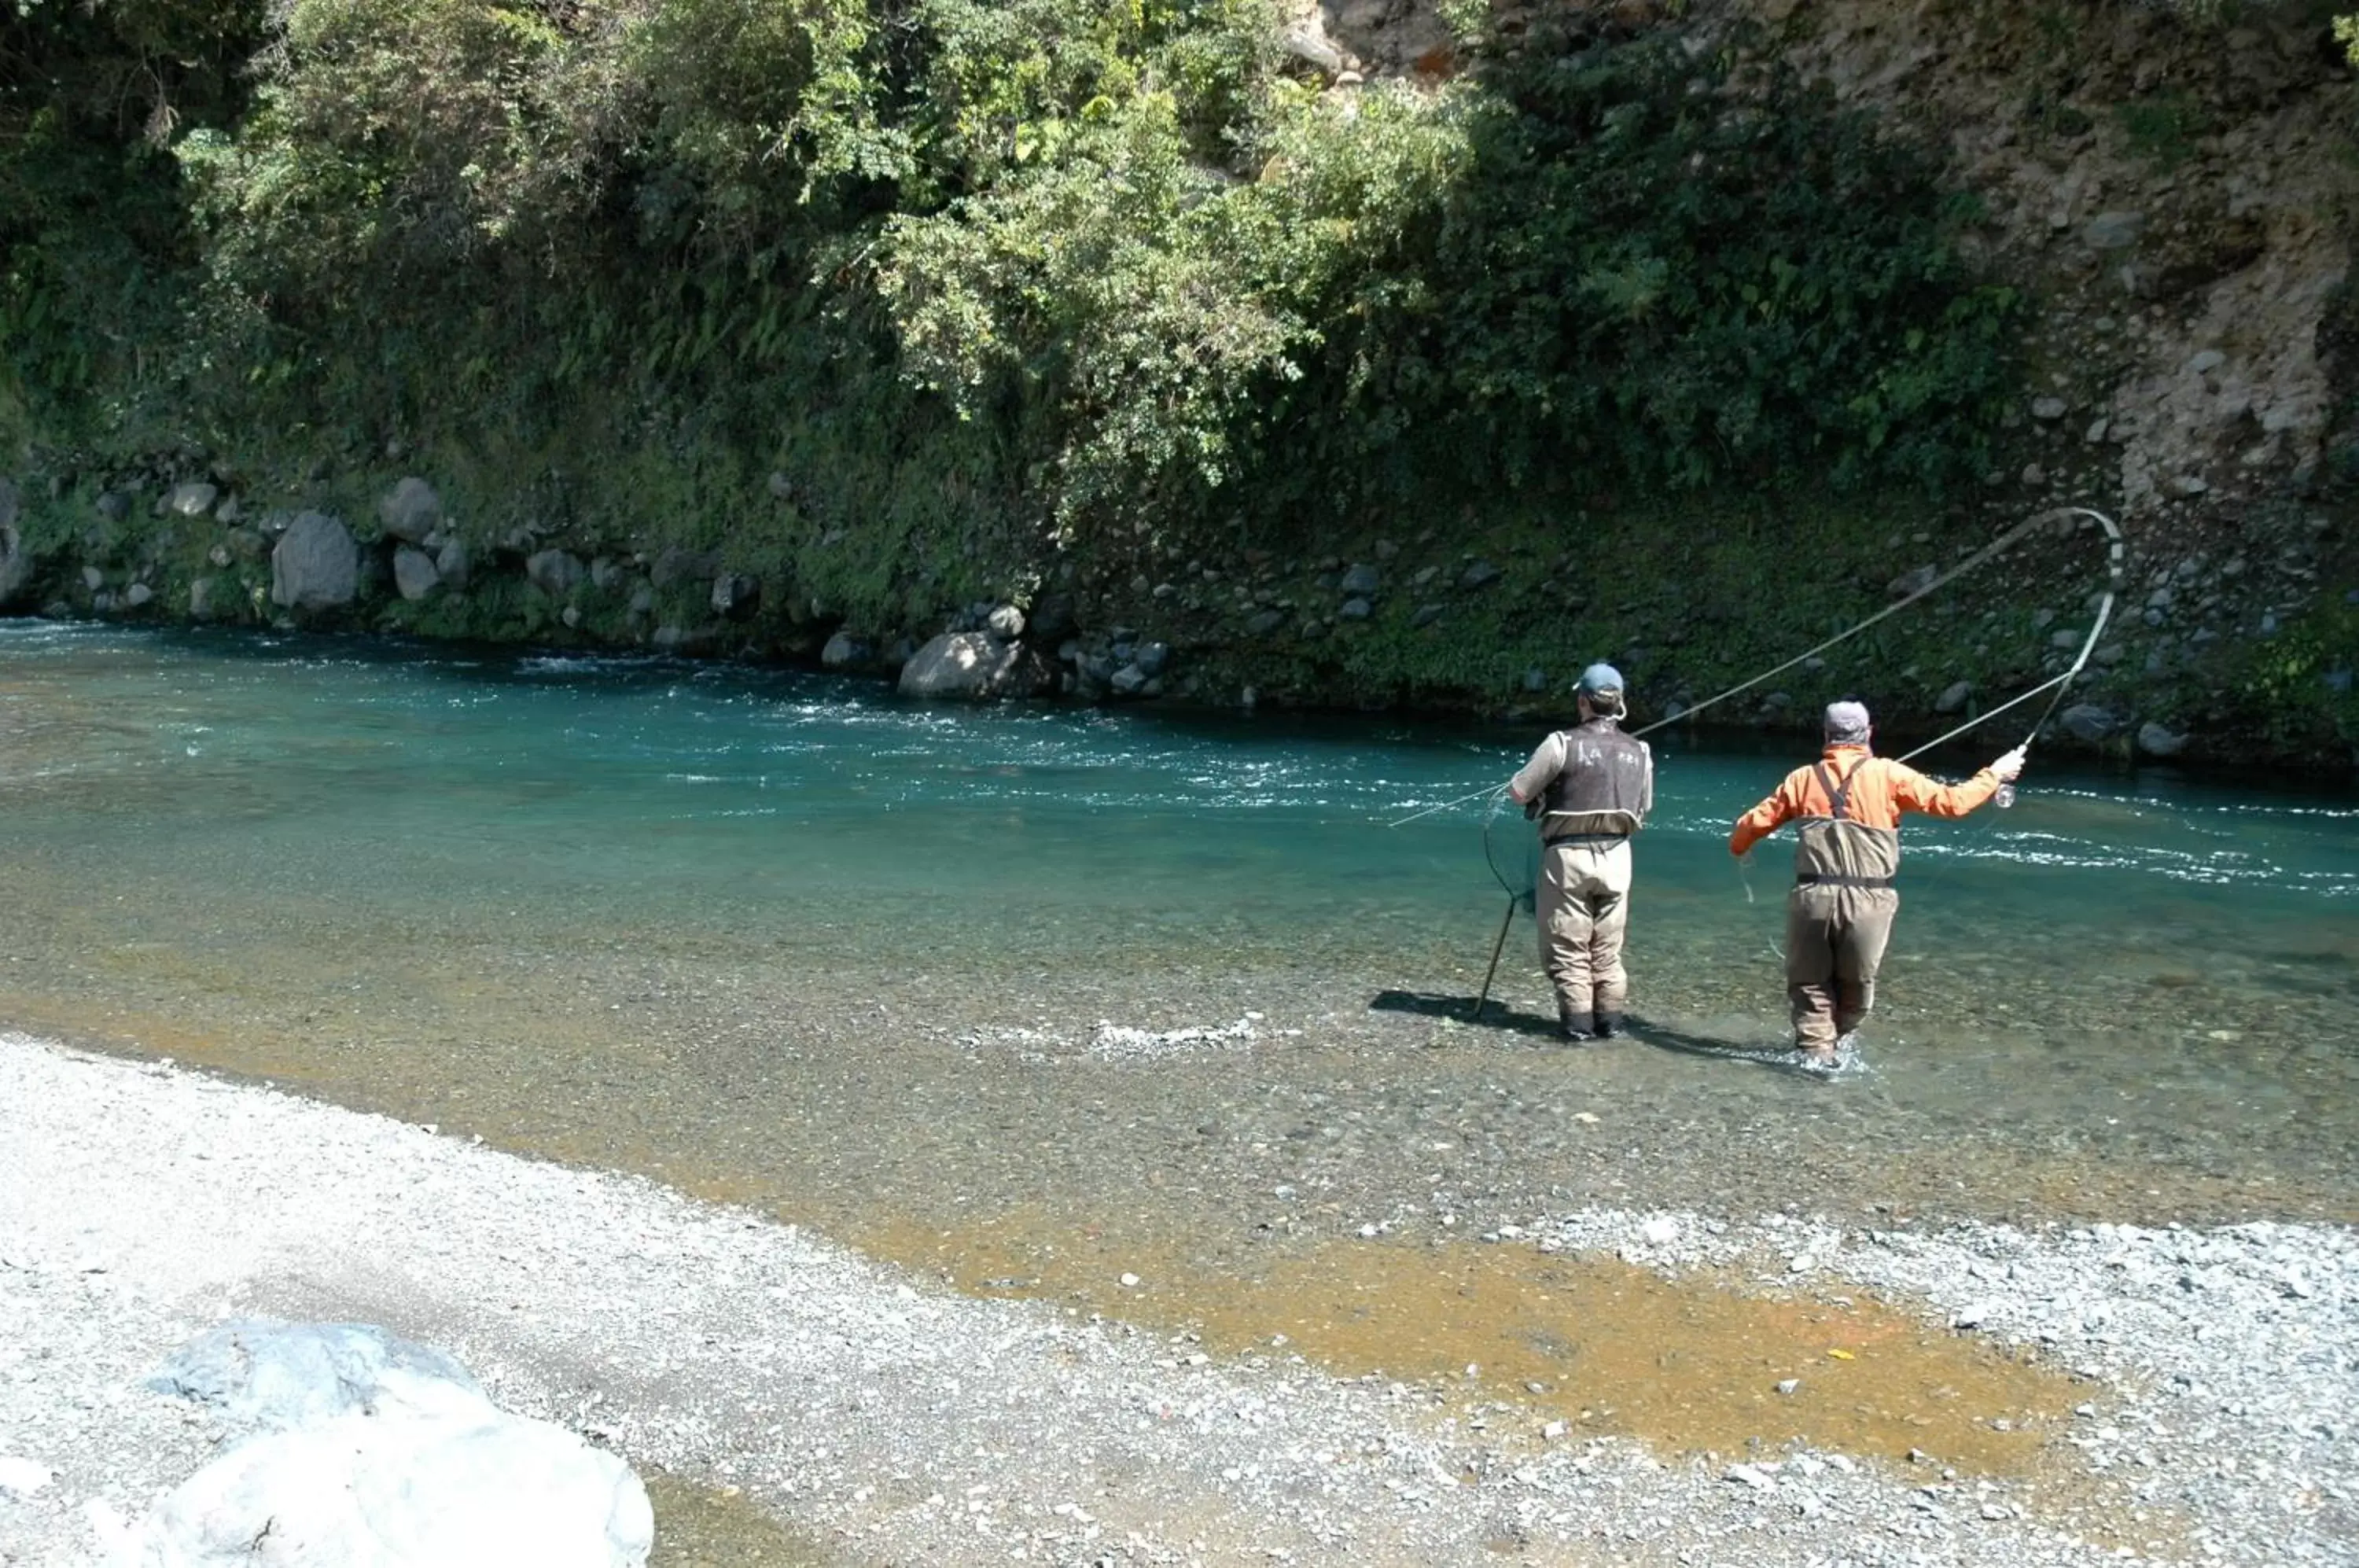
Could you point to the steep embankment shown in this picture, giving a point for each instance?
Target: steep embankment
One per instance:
(1388, 355)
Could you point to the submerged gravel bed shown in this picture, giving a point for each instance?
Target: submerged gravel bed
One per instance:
(898, 1422)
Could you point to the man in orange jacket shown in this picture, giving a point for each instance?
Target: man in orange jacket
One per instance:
(1839, 916)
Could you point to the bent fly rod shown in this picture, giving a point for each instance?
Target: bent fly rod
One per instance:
(2054, 688)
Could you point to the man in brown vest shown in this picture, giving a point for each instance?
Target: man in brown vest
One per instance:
(1847, 850)
(1589, 788)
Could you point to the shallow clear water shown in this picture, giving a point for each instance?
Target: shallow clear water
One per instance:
(649, 912)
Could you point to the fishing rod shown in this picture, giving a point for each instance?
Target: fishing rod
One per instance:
(2118, 569)
(2117, 562)
(1995, 548)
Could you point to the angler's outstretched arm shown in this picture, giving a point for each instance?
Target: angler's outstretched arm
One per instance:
(1780, 807)
(1912, 791)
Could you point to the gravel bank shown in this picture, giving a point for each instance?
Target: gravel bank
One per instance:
(138, 1204)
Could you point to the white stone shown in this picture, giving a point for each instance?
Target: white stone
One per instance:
(190, 500)
(368, 1452)
(462, 1488)
(22, 1477)
(970, 664)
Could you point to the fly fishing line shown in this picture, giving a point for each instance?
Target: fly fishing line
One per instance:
(2054, 688)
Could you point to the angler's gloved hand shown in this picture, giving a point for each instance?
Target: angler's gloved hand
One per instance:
(2009, 767)
(1532, 809)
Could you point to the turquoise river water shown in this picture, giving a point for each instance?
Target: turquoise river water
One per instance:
(785, 940)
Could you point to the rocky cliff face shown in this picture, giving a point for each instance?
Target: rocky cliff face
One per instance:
(2176, 191)
(2171, 185)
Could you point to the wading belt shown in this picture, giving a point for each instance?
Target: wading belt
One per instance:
(1586, 838)
(1839, 803)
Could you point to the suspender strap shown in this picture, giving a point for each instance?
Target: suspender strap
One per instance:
(1839, 794)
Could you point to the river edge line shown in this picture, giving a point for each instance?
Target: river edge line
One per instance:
(1509, 726)
(143, 1201)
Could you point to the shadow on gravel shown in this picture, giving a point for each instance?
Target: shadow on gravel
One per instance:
(1780, 1056)
(1436, 1005)
(1432, 1005)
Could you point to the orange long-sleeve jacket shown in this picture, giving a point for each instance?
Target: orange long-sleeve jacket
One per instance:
(1880, 790)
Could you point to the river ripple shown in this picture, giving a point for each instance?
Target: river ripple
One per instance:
(784, 941)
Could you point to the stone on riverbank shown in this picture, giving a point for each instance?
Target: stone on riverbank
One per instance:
(675, 567)
(15, 560)
(315, 565)
(410, 511)
(2088, 721)
(555, 572)
(972, 665)
(193, 499)
(1914, 581)
(735, 597)
(415, 574)
(366, 1449)
(450, 563)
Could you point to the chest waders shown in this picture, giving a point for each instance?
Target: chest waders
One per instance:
(1839, 916)
(1839, 851)
(2054, 689)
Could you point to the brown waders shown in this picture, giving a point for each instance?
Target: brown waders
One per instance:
(1839, 917)
(1835, 937)
(1584, 910)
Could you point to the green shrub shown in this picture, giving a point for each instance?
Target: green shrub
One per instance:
(980, 277)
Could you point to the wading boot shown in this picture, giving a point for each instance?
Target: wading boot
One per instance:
(1576, 1025)
(1608, 1025)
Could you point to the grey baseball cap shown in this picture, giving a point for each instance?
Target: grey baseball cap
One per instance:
(1599, 678)
(1846, 721)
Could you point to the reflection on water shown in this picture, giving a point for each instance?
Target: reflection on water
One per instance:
(788, 941)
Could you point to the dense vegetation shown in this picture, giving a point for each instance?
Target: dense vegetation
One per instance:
(901, 303)
(966, 269)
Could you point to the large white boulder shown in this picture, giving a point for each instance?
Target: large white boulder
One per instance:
(366, 1452)
(972, 665)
